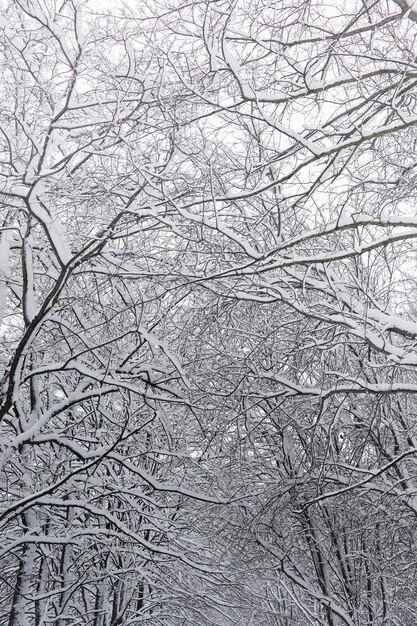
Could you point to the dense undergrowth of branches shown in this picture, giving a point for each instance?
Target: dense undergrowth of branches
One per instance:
(208, 318)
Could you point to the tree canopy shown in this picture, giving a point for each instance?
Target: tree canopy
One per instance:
(208, 318)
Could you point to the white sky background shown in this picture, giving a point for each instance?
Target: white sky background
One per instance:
(296, 121)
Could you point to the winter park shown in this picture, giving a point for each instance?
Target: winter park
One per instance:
(208, 313)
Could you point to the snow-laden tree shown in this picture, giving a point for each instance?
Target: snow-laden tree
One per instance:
(207, 274)
(310, 226)
(97, 431)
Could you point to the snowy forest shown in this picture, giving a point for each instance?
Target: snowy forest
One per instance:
(208, 313)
